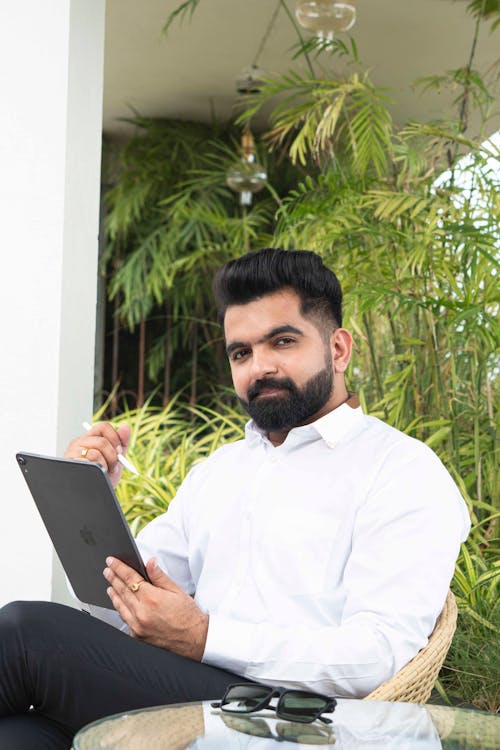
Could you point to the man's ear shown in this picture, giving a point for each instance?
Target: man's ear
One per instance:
(341, 346)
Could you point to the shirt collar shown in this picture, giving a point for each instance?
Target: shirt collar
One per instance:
(331, 427)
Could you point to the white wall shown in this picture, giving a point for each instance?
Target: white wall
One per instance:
(51, 61)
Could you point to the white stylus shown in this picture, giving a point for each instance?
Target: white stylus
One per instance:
(124, 461)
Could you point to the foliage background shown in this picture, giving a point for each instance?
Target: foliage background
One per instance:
(417, 257)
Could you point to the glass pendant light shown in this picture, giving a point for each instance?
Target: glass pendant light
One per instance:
(325, 17)
(250, 80)
(246, 176)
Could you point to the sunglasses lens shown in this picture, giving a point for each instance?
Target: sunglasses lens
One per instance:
(298, 706)
(245, 698)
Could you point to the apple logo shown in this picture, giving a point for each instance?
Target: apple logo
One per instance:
(87, 536)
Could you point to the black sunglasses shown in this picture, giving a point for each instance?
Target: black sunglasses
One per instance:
(293, 705)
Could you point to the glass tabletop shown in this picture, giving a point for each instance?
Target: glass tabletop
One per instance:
(356, 724)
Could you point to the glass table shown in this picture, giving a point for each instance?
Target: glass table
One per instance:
(356, 724)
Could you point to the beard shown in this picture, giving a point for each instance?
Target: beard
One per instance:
(295, 407)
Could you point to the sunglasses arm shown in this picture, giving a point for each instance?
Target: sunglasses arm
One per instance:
(325, 720)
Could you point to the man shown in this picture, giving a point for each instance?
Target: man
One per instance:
(316, 553)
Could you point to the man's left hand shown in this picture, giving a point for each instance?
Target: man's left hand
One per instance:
(160, 612)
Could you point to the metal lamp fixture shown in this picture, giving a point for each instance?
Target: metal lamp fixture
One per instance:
(326, 17)
(250, 80)
(246, 176)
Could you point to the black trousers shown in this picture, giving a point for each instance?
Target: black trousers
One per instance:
(73, 669)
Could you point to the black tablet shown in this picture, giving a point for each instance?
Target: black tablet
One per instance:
(83, 517)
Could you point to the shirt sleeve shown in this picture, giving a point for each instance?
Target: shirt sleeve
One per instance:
(405, 541)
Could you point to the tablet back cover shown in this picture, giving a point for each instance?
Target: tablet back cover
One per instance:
(84, 520)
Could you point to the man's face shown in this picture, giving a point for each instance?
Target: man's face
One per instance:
(281, 366)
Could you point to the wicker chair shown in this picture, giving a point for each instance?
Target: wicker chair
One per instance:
(414, 682)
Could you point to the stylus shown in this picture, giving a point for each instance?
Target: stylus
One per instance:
(124, 461)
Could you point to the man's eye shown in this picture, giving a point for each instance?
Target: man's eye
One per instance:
(284, 340)
(235, 356)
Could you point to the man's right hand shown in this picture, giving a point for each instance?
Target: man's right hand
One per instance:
(101, 445)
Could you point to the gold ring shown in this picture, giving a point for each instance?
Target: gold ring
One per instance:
(134, 587)
(84, 452)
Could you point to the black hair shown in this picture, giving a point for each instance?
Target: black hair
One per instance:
(266, 271)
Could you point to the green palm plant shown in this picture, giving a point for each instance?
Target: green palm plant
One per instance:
(470, 674)
(174, 221)
(144, 173)
(417, 257)
(317, 118)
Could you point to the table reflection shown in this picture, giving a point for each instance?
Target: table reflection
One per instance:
(356, 724)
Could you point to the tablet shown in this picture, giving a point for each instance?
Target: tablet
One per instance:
(84, 520)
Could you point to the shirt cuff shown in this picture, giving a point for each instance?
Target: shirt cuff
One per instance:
(228, 643)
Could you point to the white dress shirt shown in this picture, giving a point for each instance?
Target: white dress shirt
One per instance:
(323, 563)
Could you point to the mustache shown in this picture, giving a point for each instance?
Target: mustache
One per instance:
(261, 385)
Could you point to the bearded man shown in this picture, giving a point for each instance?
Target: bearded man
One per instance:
(315, 553)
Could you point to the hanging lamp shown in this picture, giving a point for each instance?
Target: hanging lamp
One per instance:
(250, 80)
(246, 176)
(326, 17)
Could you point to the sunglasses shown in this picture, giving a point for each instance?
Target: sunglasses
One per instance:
(293, 705)
(304, 734)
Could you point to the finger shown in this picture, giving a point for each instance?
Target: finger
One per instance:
(115, 474)
(93, 455)
(103, 445)
(159, 578)
(122, 597)
(81, 448)
(121, 607)
(100, 430)
(123, 433)
(127, 602)
(92, 449)
(106, 430)
(123, 572)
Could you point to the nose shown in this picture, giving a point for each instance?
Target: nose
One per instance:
(263, 364)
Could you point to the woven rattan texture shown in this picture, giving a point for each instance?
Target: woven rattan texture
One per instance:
(414, 682)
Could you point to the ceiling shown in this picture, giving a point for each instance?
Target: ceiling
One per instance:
(191, 72)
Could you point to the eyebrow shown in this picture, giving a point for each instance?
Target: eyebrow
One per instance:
(286, 328)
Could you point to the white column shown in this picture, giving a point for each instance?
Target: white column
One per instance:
(51, 73)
